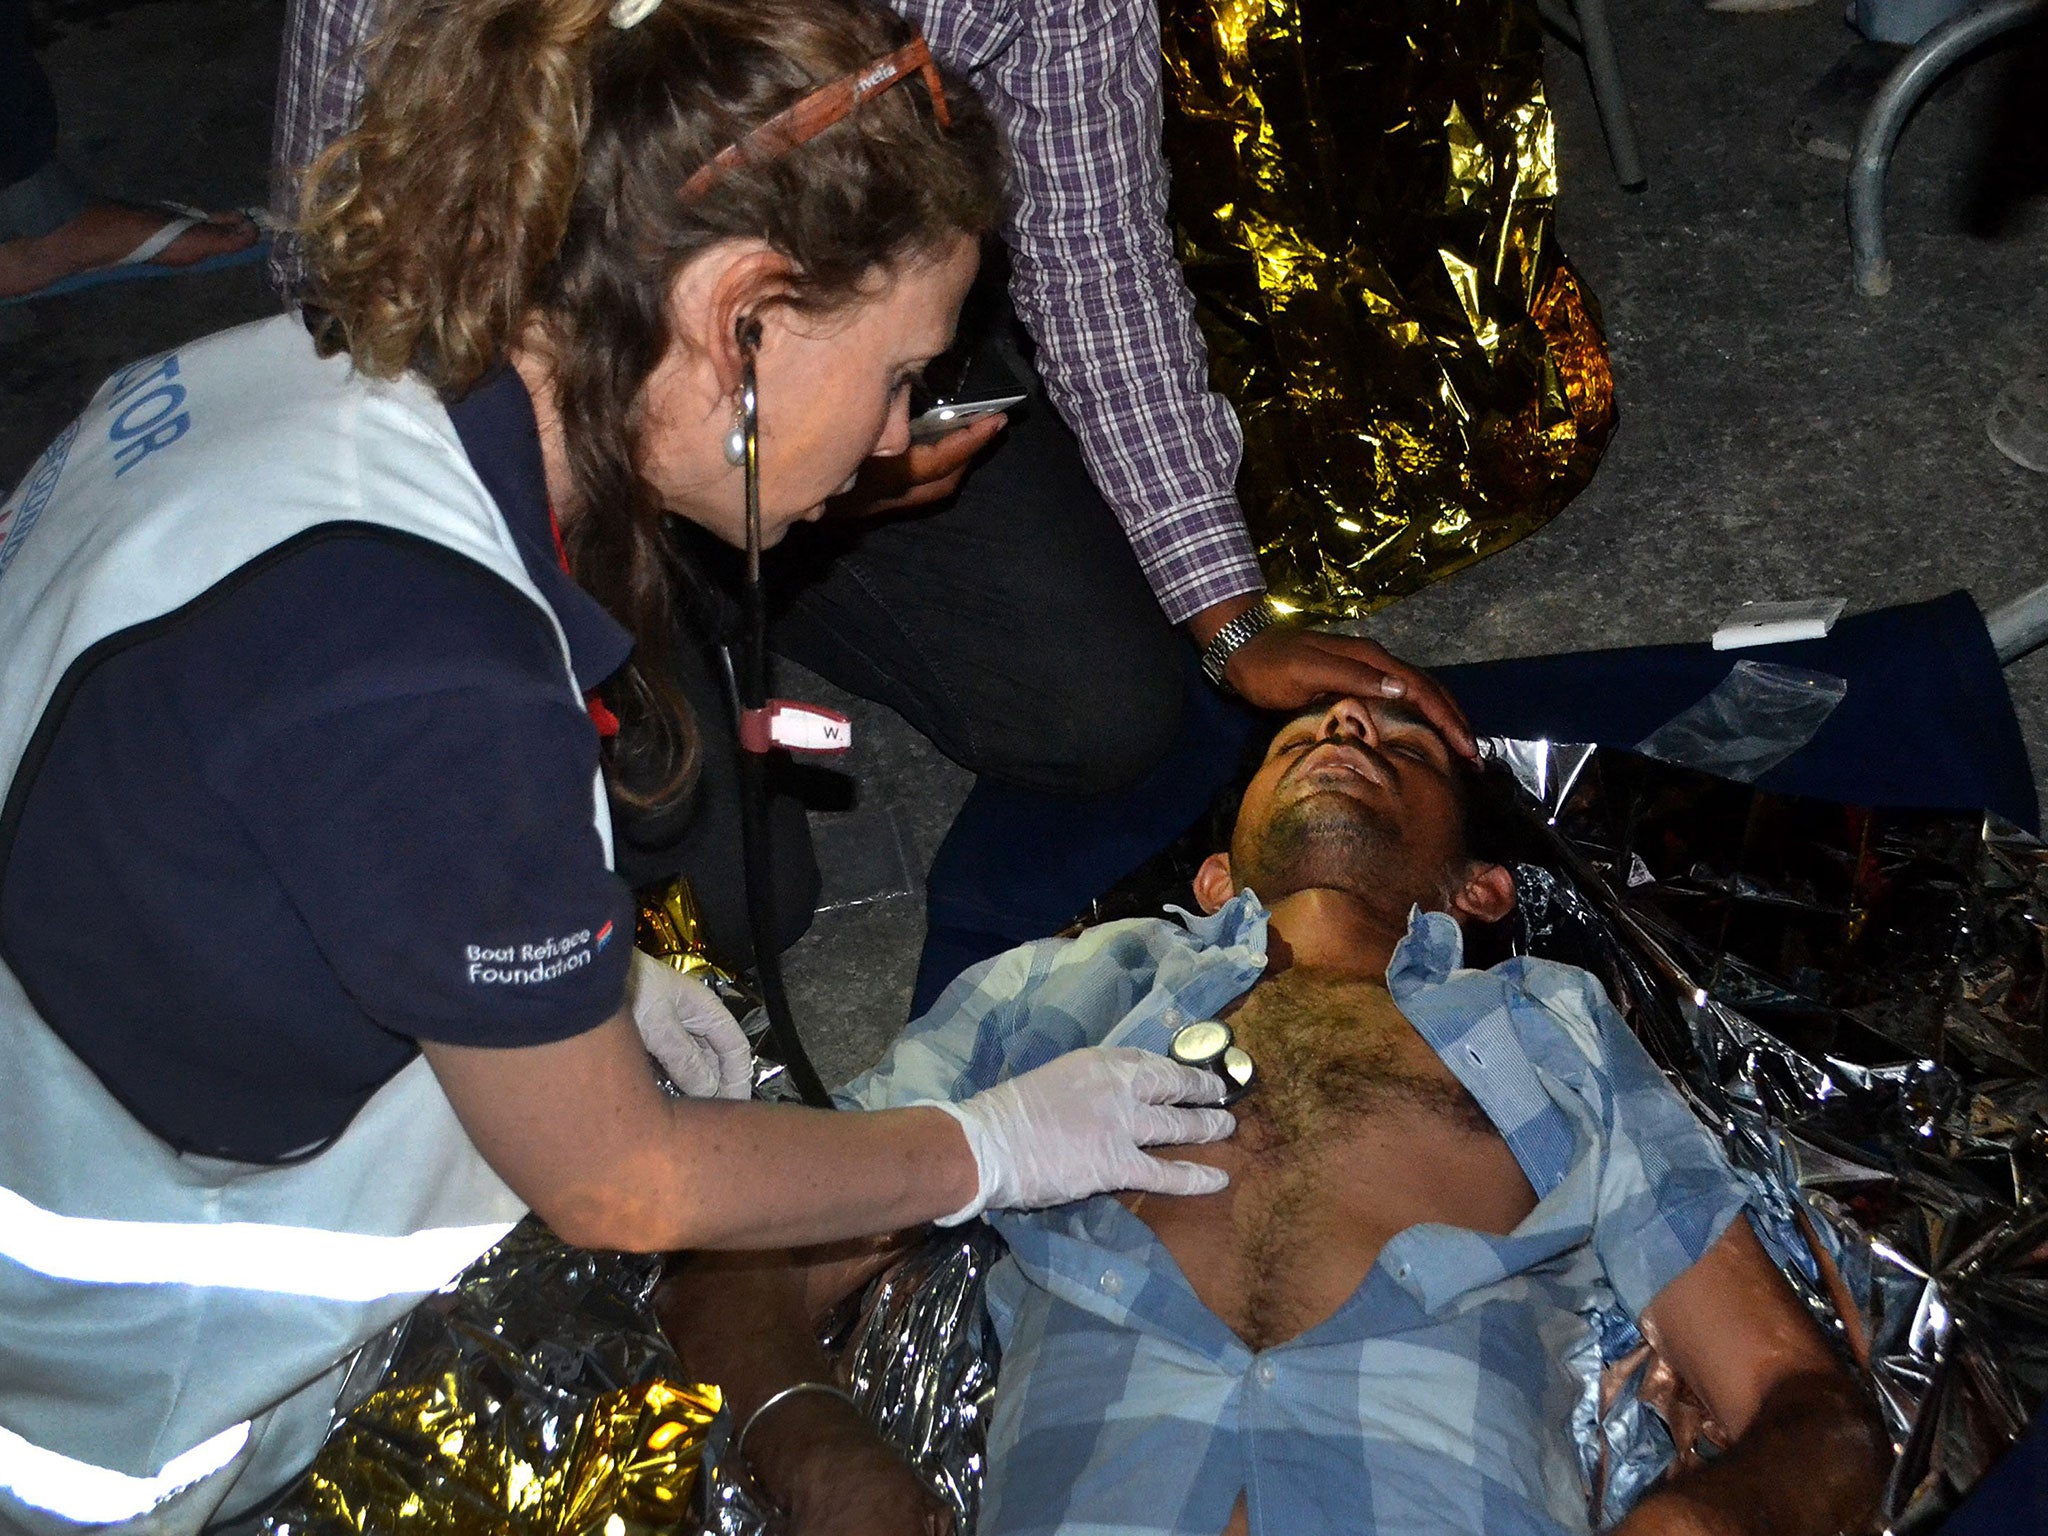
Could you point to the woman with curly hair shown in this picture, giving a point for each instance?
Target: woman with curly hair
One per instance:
(326, 642)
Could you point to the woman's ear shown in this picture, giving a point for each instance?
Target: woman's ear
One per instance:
(1487, 895)
(720, 291)
(1213, 884)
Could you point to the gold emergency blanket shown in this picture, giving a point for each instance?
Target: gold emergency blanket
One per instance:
(670, 929)
(533, 1398)
(1364, 196)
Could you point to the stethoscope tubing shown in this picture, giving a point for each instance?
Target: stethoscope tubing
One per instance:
(748, 684)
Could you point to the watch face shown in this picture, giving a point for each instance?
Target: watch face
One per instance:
(1200, 1044)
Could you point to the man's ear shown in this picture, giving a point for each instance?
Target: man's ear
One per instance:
(1213, 884)
(1486, 896)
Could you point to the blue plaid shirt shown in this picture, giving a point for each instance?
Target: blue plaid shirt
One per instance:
(1444, 1395)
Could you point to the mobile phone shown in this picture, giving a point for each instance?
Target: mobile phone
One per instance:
(964, 386)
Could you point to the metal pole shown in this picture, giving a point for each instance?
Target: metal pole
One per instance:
(1604, 71)
(1913, 77)
(2020, 626)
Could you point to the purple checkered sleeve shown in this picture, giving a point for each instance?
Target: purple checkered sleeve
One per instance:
(1077, 91)
(319, 87)
(1076, 88)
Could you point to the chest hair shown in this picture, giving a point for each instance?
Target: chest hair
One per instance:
(1334, 1058)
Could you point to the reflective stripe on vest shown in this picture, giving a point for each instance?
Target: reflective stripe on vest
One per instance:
(90, 1495)
(237, 1255)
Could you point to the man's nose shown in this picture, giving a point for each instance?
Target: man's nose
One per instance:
(1348, 717)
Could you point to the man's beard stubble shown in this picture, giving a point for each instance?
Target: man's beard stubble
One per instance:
(1324, 841)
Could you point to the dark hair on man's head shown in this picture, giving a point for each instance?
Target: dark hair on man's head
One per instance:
(1500, 827)
(1496, 828)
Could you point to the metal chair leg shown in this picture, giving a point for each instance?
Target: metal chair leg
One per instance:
(2020, 626)
(1604, 71)
(1914, 76)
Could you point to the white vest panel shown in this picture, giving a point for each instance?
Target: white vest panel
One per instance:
(173, 1330)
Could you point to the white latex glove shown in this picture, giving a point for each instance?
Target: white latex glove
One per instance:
(1078, 1126)
(689, 1031)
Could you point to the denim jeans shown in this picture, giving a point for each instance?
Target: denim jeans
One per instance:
(28, 113)
(35, 194)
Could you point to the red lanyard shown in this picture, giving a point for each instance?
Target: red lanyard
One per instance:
(606, 722)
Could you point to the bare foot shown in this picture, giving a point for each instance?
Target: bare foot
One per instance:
(106, 232)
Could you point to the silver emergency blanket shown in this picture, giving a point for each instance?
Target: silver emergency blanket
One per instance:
(919, 1356)
(1853, 999)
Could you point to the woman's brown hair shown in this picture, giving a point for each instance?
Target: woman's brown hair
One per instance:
(521, 161)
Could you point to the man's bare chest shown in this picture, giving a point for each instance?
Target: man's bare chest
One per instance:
(1356, 1131)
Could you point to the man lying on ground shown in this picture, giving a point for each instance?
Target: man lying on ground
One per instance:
(1440, 1178)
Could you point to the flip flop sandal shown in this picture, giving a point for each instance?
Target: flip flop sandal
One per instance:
(141, 263)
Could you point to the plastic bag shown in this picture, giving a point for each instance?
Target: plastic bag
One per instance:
(1759, 715)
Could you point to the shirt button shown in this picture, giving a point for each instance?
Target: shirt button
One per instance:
(1266, 1373)
(1172, 1018)
(1112, 1283)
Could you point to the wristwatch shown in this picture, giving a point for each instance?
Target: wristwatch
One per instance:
(1226, 642)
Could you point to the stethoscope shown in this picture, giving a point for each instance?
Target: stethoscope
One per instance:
(766, 725)
(1212, 1045)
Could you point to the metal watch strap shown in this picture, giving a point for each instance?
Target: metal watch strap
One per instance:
(1226, 642)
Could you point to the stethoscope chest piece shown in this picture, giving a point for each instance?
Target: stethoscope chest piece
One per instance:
(1210, 1044)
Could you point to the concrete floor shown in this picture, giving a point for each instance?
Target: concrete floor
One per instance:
(1779, 437)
